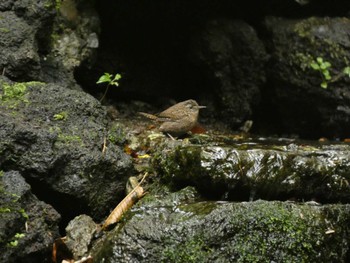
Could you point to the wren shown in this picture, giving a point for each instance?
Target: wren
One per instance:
(178, 119)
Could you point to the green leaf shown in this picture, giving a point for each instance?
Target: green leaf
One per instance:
(327, 76)
(104, 78)
(324, 84)
(315, 66)
(319, 60)
(60, 116)
(346, 71)
(5, 210)
(117, 77)
(14, 243)
(114, 83)
(23, 212)
(327, 64)
(19, 235)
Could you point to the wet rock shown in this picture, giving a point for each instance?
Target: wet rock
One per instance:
(6, 5)
(233, 59)
(229, 232)
(252, 170)
(19, 57)
(79, 234)
(298, 46)
(46, 40)
(26, 27)
(28, 226)
(55, 136)
(74, 41)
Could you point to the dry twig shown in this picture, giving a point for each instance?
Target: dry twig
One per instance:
(136, 194)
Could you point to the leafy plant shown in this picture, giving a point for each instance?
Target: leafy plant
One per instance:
(110, 80)
(14, 242)
(23, 213)
(322, 67)
(13, 93)
(60, 116)
(346, 71)
(19, 235)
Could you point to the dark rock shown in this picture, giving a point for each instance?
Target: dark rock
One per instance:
(46, 40)
(28, 226)
(26, 28)
(19, 57)
(229, 232)
(233, 60)
(54, 136)
(305, 107)
(6, 5)
(79, 234)
(38, 13)
(74, 41)
(248, 171)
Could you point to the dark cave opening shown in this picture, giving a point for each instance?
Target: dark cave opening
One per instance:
(149, 44)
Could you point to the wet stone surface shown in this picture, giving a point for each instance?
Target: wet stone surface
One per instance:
(248, 170)
(259, 231)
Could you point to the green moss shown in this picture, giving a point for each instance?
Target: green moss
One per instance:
(5, 210)
(12, 94)
(58, 4)
(4, 30)
(314, 45)
(54, 38)
(193, 250)
(68, 138)
(331, 50)
(303, 28)
(34, 83)
(9, 210)
(116, 134)
(286, 234)
(64, 138)
(198, 208)
(181, 164)
(60, 116)
(23, 213)
(49, 4)
(303, 60)
(15, 239)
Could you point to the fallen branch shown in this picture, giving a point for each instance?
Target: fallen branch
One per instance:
(136, 194)
(104, 147)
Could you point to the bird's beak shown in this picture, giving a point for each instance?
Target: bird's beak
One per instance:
(201, 107)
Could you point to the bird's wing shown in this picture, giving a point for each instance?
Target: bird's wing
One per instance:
(154, 117)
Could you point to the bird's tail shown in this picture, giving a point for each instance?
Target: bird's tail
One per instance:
(149, 116)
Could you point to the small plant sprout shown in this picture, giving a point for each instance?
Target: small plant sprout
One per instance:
(110, 80)
(346, 71)
(60, 116)
(322, 67)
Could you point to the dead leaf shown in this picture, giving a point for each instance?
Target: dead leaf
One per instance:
(198, 129)
(60, 251)
(136, 194)
(330, 231)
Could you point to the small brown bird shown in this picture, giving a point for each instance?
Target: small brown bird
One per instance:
(178, 119)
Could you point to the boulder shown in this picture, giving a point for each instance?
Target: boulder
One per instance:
(232, 59)
(54, 136)
(260, 231)
(312, 102)
(19, 51)
(28, 226)
(259, 170)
